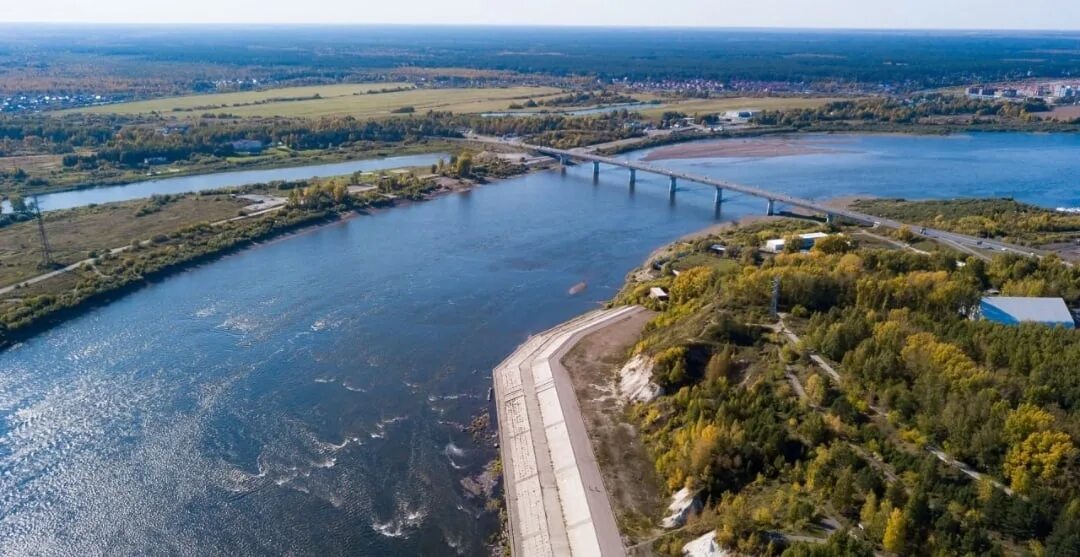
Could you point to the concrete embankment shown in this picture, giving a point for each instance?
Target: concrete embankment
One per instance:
(555, 494)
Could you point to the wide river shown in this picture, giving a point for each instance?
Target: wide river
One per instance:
(307, 396)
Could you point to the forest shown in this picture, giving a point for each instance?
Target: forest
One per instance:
(200, 58)
(903, 110)
(1003, 219)
(777, 447)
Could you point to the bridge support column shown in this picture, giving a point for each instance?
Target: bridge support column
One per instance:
(633, 177)
(671, 187)
(718, 199)
(772, 208)
(830, 218)
(595, 168)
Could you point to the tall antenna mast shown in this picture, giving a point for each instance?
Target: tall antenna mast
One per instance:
(46, 252)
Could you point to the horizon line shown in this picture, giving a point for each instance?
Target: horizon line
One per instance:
(530, 25)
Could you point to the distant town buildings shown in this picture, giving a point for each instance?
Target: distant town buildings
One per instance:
(42, 102)
(1050, 92)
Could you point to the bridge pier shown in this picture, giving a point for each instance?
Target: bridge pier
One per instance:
(633, 177)
(772, 208)
(830, 218)
(718, 199)
(671, 187)
(595, 168)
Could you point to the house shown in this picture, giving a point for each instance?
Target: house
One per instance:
(741, 116)
(718, 249)
(247, 146)
(807, 242)
(1012, 310)
(657, 293)
(149, 161)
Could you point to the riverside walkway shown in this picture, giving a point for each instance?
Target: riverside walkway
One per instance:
(555, 495)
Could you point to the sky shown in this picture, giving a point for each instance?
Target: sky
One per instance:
(863, 14)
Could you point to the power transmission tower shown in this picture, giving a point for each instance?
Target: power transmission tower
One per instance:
(774, 307)
(46, 252)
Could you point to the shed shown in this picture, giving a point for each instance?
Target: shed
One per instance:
(658, 293)
(1012, 310)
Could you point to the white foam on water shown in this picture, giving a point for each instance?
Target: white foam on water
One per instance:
(352, 388)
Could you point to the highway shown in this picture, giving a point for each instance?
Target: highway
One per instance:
(979, 247)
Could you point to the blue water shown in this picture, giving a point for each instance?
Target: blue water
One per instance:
(185, 184)
(1043, 169)
(307, 396)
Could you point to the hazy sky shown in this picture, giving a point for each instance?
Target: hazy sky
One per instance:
(923, 14)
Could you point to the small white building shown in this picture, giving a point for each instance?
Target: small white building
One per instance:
(807, 242)
(741, 116)
(657, 293)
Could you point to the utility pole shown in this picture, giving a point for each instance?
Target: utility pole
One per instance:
(46, 252)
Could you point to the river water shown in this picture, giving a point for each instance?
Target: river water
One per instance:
(185, 184)
(306, 396)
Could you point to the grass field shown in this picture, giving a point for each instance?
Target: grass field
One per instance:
(191, 102)
(34, 164)
(75, 233)
(709, 106)
(334, 100)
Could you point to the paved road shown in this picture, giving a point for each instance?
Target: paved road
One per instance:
(555, 495)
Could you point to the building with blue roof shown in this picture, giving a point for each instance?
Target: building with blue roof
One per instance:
(1012, 310)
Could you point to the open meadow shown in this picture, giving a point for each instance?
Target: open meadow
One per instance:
(74, 234)
(334, 100)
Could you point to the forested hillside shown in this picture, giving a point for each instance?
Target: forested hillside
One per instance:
(781, 450)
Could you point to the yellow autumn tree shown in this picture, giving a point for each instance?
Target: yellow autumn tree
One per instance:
(1025, 420)
(896, 531)
(923, 353)
(1039, 457)
(691, 283)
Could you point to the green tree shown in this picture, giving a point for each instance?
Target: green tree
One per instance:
(1064, 539)
(18, 204)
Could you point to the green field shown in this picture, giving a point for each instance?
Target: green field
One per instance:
(351, 99)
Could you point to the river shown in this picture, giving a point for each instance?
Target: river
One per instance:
(307, 396)
(203, 182)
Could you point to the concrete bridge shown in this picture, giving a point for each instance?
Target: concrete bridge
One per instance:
(770, 198)
(979, 247)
